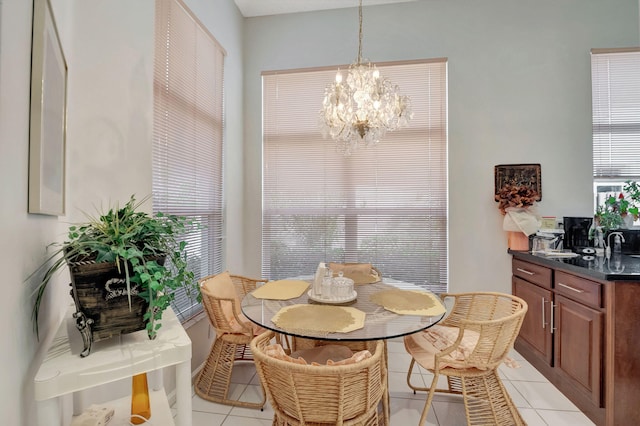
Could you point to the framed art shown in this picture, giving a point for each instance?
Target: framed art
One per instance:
(47, 132)
(528, 175)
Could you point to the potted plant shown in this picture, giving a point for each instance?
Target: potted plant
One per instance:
(123, 262)
(633, 189)
(619, 212)
(607, 217)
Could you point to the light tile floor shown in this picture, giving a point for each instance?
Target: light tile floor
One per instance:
(539, 402)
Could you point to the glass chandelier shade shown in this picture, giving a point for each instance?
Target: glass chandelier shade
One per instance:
(363, 108)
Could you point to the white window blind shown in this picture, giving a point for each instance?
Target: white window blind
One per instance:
(188, 136)
(615, 79)
(386, 205)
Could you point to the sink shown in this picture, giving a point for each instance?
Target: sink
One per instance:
(637, 256)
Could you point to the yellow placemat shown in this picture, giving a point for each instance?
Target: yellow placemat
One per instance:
(319, 318)
(409, 302)
(281, 290)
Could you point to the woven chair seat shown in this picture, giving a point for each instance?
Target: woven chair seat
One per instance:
(467, 347)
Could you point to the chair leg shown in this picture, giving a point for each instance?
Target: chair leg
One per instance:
(386, 398)
(427, 404)
(213, 381)
(413, 361)
(411, 385)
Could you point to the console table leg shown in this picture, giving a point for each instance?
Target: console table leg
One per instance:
(49, 413)
(79, 403)
(183, 393)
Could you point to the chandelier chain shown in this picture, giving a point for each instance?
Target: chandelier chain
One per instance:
(360, 34)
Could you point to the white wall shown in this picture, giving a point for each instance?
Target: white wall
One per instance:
(108, 46)
(519, 92)
(24, 236)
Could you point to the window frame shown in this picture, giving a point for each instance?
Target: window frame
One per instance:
(349, 210)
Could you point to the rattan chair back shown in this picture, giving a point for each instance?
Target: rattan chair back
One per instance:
(327, 394)
(341, 266)
(496, 317)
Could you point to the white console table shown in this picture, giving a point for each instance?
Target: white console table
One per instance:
(63, 371)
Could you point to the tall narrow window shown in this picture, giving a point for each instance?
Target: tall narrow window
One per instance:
(615, 80)
(188, 136)
(386, 205)
(615, 76)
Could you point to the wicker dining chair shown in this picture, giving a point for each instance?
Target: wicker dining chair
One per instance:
(221, 297)
(298, 344)
(301, 394)
(467, 347)
(355, 269)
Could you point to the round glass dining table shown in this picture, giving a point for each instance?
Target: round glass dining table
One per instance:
(379, 323)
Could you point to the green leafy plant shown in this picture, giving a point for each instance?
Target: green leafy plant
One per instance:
(608, 218)
(633, 189)
(146, 248)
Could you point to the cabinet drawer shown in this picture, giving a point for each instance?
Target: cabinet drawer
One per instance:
(533, 273)
(579, 289)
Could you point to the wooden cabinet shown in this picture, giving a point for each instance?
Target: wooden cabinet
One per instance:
(535, 330)
(591, 312)
(562, 333)
(578, 346)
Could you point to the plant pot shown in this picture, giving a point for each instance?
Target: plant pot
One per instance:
(517, 241)
(627, 221)
(102, 303)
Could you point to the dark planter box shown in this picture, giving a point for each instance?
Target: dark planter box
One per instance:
(102, 303)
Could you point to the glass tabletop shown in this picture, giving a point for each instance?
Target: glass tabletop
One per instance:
(379, 323)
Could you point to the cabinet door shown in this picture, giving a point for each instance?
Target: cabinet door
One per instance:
(578, 346)
(536, 328)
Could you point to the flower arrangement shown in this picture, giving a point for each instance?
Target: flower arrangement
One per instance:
(620, 205)
(515, 196)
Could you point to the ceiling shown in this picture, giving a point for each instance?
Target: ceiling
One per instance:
(250, 8)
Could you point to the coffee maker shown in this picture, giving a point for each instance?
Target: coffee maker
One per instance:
(576, 232)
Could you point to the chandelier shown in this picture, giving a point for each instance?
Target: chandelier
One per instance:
(363, 108)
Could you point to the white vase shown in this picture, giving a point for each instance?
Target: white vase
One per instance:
(627, 221)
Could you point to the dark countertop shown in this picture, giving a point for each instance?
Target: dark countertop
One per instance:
(619, 267)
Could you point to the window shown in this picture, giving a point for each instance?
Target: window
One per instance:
(188, 136)
(615, 79)
(386, 205)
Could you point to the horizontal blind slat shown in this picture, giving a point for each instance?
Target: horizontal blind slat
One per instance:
(616, 114)
(187, 153)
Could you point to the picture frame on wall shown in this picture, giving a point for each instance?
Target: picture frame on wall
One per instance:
(48, 115)
(528, 175)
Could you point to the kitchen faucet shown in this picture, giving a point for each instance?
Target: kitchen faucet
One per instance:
(617, 243)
